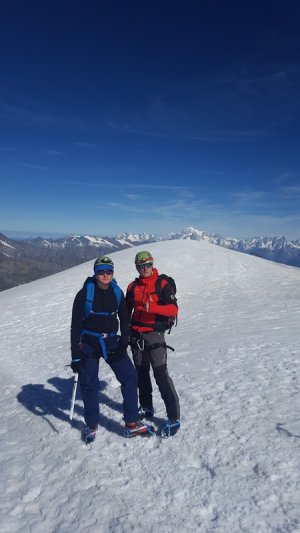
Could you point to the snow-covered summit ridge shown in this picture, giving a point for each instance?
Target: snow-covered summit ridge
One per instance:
(236, 370)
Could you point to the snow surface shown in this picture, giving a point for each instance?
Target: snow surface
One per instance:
(233, 466)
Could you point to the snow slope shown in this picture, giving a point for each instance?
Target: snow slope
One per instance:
(234, 465)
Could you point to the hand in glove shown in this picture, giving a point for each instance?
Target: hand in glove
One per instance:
(123, 345)
(76, 364)
(120, 351)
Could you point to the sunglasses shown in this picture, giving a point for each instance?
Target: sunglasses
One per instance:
(105, 273)
(141, 266)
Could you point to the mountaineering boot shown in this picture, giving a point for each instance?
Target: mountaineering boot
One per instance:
(145, 412)
(135, 429)
(89, 435)
(171, 427)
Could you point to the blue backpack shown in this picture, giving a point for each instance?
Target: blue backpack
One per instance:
(88, 309)
(90, 291)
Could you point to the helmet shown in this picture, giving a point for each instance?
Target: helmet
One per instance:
(103, 263)
(143, 257)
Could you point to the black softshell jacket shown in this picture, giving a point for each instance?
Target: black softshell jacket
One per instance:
(104, 301)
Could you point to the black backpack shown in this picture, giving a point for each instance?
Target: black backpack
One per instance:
(169, 279)
(170, 320)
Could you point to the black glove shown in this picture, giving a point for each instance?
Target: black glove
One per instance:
(133, 340)
(76, 364)
(120, 352)
(123, 343)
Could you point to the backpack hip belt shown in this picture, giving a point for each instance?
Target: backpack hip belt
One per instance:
(100, 337)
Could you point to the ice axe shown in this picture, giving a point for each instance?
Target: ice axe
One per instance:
(74, 395)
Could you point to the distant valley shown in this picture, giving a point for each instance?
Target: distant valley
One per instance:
(22, 261)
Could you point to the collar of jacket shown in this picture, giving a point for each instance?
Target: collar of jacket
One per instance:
(148, 281)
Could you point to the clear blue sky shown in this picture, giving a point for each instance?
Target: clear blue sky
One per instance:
(150, 116)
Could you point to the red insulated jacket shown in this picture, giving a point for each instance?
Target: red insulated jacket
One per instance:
(141, 293)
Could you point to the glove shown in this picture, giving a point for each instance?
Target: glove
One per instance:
(133, 340)
(120, 352)
(123, 342)
(76, 364)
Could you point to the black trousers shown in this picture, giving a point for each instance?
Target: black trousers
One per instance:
(145, 357)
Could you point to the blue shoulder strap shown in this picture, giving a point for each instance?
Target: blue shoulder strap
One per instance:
(90, 291)
(117, 291)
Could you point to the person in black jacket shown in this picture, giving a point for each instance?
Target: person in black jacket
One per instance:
(99, 309)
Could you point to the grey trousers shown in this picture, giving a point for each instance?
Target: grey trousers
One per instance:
(144, 357)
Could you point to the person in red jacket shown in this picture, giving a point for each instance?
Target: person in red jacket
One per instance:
(149, 314)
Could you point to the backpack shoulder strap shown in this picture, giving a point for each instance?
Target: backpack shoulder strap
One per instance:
(90, 291)
(131, 288)
(158, 284)
(117, 291)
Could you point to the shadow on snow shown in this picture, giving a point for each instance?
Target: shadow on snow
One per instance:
(48, 403)
(285, 431)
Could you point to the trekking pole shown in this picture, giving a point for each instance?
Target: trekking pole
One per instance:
(73, 395)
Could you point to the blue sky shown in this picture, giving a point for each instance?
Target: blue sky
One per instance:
(150, 116)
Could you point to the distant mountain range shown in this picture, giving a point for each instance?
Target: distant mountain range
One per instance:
(277, 249)
(25, 260)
